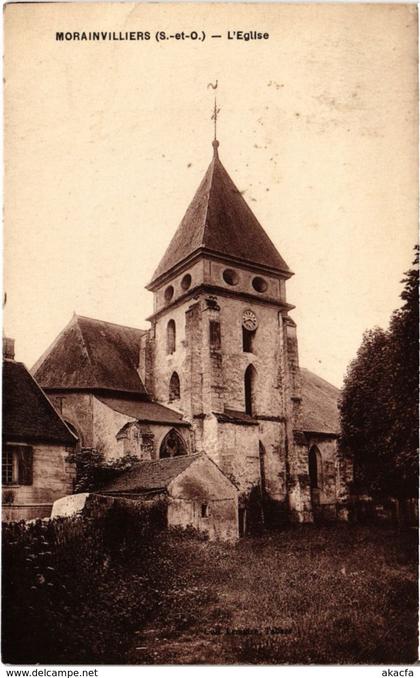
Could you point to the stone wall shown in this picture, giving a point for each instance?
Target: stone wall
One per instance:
(205, 499)
(166, 363)
(265, 357)
(272, 436)
(213, 378)
(196, 271)
(213, 274)
(345, 477)
(102, 428)
(52, 479)
(296, 451)
(325, 501)
(212, 368)
(136, 440)
(331, 500)
(299, 490)
(221, 522)
(144, 440)
(106, 424)
(77, 410)
(238, 454)
(211, 363)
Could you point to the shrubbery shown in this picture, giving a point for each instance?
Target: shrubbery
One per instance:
(76, 589)
(93, 470)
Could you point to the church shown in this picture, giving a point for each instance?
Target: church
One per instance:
(216, 374)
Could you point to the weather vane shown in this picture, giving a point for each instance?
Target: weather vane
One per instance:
(216, 110)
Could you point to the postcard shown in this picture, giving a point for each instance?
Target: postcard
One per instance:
(210, 348)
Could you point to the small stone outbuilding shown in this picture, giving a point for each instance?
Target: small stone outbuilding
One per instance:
(199, 494)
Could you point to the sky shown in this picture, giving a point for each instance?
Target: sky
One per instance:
(106, 143)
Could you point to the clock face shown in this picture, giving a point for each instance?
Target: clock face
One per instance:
(249, 320)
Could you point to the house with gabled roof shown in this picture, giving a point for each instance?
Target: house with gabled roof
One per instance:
(216, 374)
(36, 445)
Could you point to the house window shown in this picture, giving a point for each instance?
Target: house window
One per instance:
(171, 337)
(174, 388)
(205, 510)
(249, 380)
(8, 472)
(17, 463)
(248, 340)
(172, 445)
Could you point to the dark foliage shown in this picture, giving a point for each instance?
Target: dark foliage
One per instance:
(75, 590)
(379, 408)
(93, 471)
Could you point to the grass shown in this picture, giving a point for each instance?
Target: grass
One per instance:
(117, 590)
(309, 595)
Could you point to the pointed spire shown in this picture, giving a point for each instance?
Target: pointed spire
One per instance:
(218, 220)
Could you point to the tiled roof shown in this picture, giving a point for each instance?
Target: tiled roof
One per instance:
(92, 354)
(144, 411)
(151, 475)
(219, 220)
(28, 415)
(319, 403)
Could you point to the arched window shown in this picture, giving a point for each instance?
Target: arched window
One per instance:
(250, 375)
(315, 468)
(171, 337)
(172, 445)
(174, 388)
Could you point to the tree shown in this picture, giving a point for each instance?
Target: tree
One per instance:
(379, 405)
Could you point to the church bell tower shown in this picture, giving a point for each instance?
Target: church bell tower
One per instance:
(222, 349)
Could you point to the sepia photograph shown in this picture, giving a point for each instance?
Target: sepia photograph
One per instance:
(210, 334)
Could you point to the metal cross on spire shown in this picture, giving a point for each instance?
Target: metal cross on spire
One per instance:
(216, 112)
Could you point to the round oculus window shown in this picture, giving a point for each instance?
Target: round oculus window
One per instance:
(186, 282)
(259, 284)
(230, 276)
(169, 293)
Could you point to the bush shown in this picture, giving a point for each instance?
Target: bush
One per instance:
(93, 471)
(76, 589)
